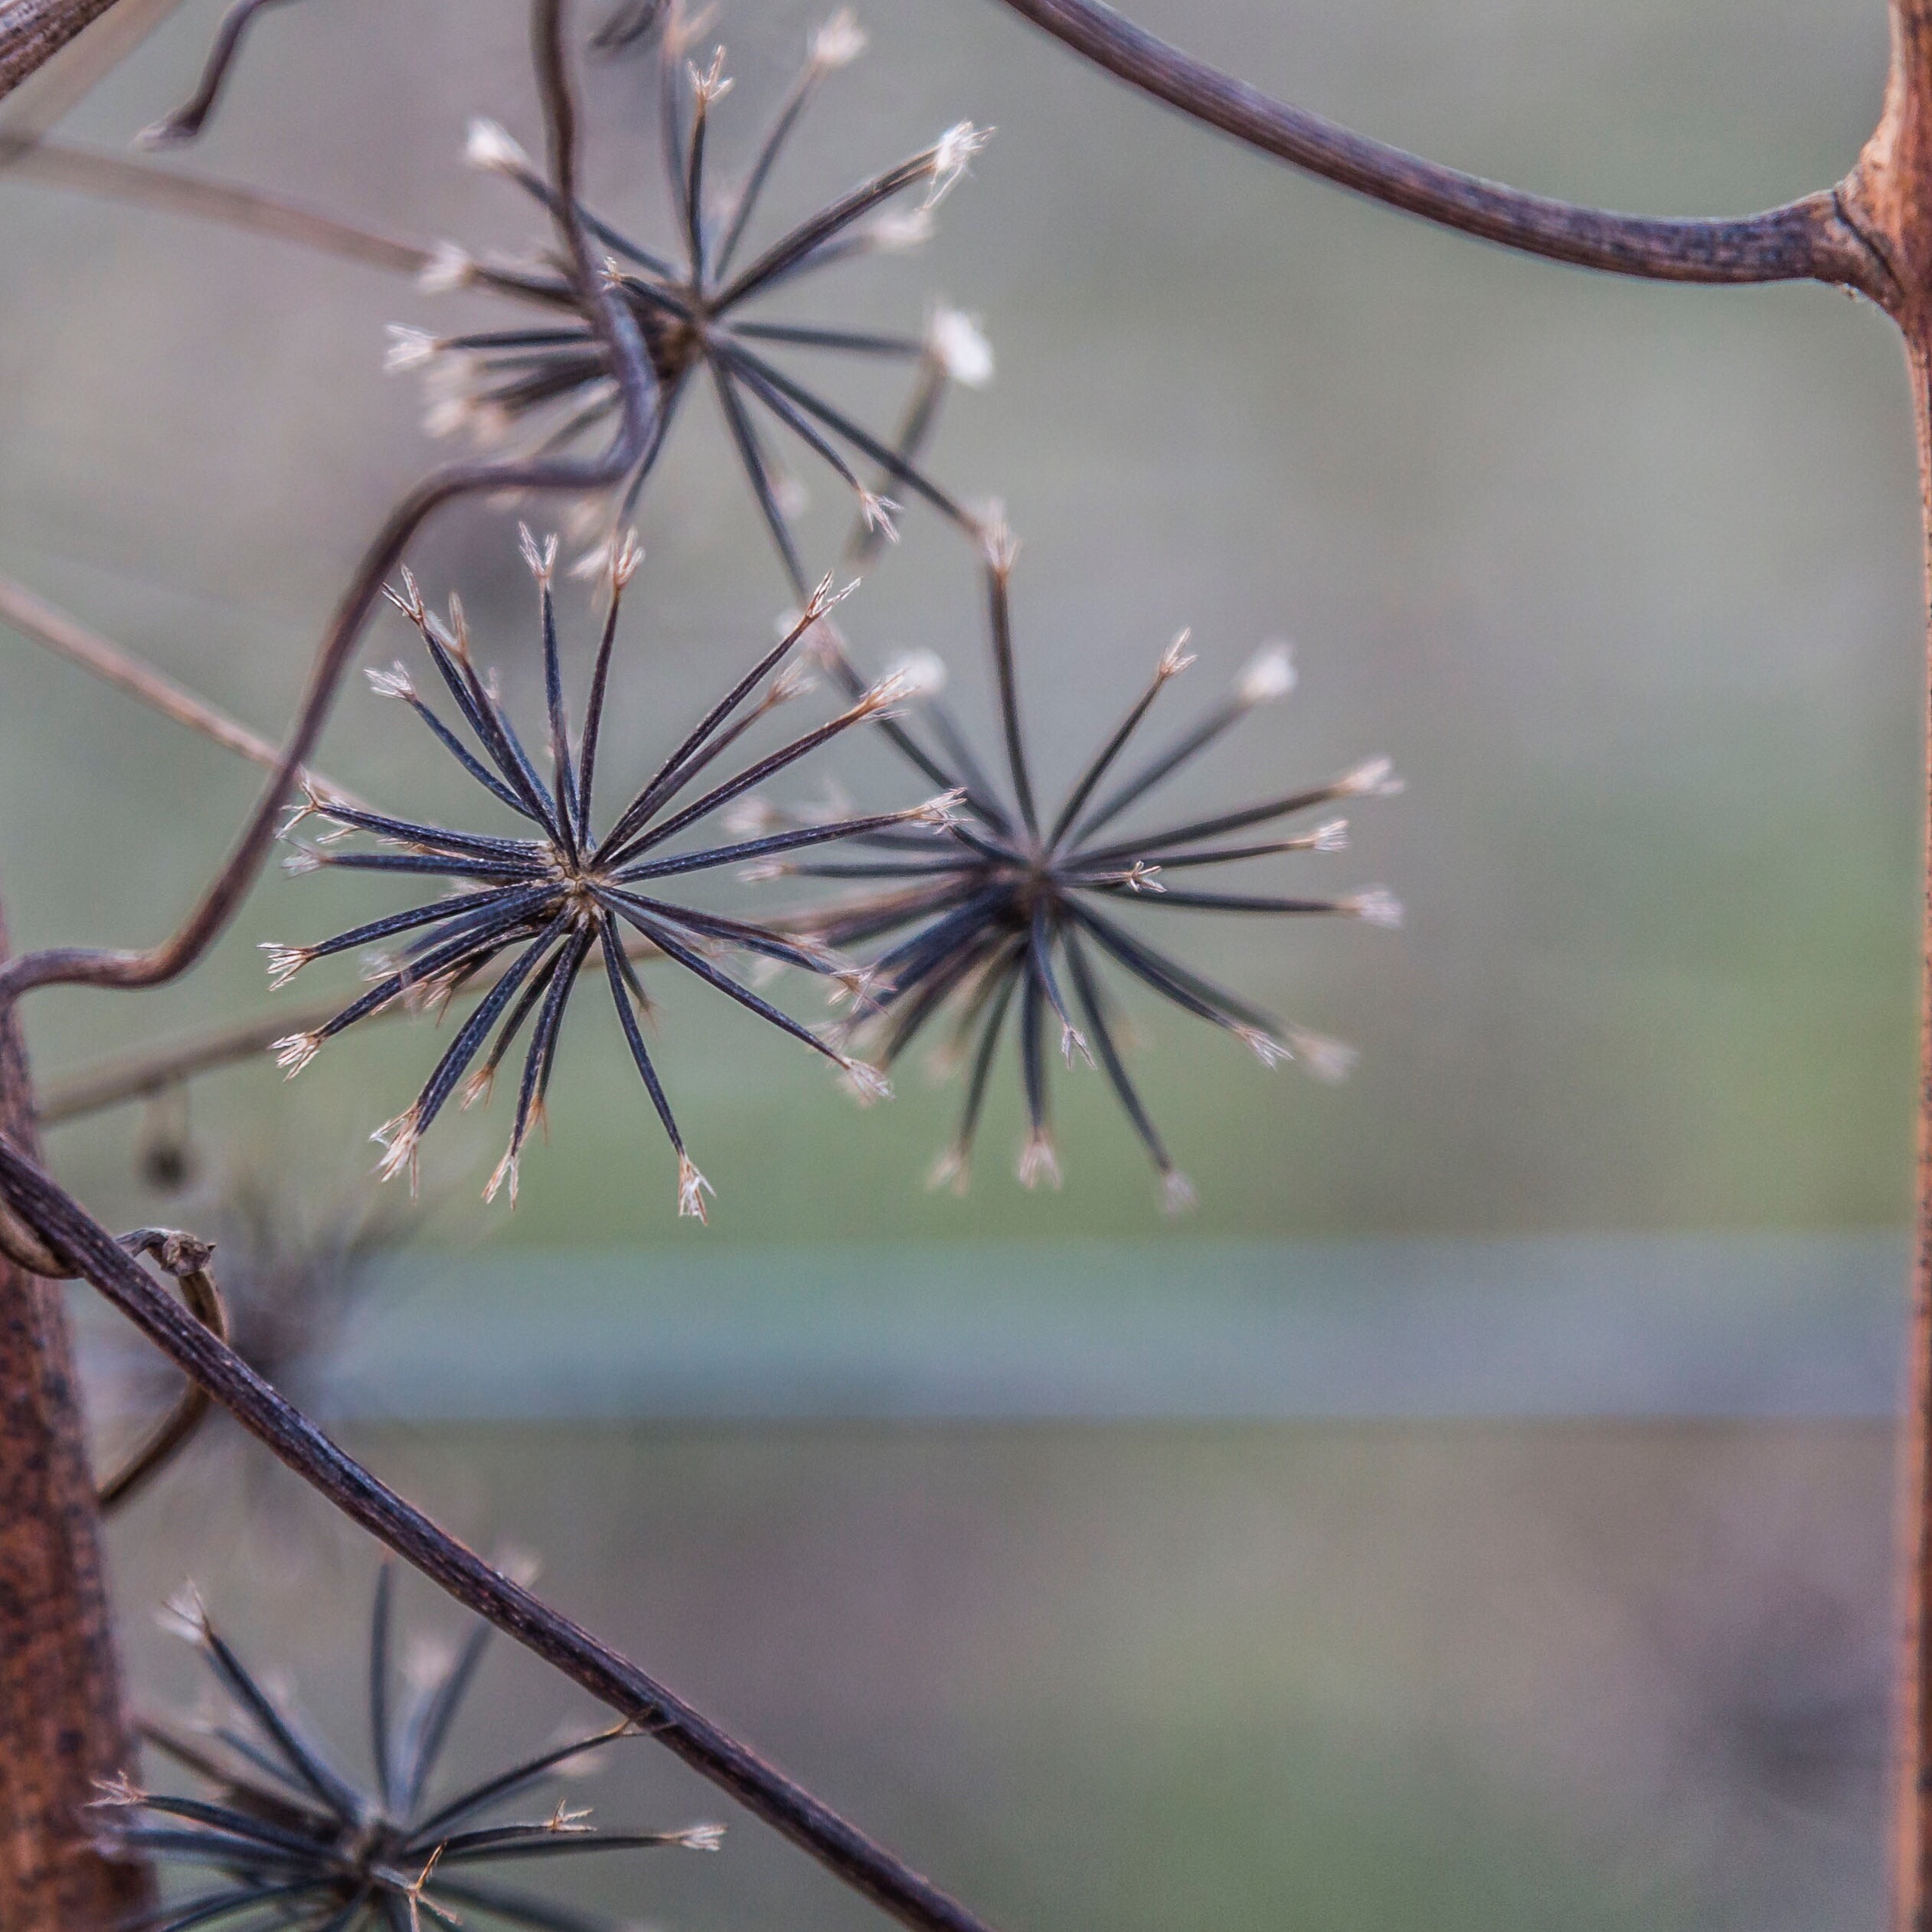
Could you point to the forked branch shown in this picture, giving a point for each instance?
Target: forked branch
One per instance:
(1808, 239)
(94, 1254)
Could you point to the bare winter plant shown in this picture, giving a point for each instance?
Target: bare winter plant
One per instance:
(1005, 914)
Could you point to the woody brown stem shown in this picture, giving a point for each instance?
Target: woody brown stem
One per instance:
(32, 31)
(62, 1726)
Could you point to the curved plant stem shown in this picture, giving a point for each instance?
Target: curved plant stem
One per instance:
(1808, 239)
(99, 1258)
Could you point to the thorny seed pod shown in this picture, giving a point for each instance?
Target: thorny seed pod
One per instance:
(298, 1844)
(1019, 910)
(546, 903)
(690, 305)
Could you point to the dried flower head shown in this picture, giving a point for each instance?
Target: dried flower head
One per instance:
(1020, 910)
(692, 305)
(538, 908)
(298, 1844)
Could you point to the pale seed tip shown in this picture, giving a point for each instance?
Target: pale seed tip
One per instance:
(1176, 657)
(450, 267)
(1037, 1162)
(692, 1187)
(490, 146)
(395, 682)
(839, 42)
(957, 344)
(699, 1838)
(284, 962)
(1177, 1194)
(1268, 676)
(293, 1052)
(1330, 1061)
(1373, 778)
(1377, 907)
(409, 349)
(951, 154)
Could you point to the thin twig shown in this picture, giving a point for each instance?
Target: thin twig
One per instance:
(127, 969)
(113, 176)
(35, 618)
(148, 1070)
(1808, 240)
(840, 1846)
(54, 89)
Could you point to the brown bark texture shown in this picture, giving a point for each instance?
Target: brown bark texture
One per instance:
(31, 33)
(62, 1726)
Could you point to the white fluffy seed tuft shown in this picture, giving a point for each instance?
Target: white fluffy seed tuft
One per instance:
(395, 682)
(1177, 1194)
(1330, 836)
(953, 153)
(284, 962)
(921, 674)
(1176, 657)
(1373, 778)
(1330, 1061)
(1265, 1047)
(839, 42)
(490, 146)
(699, 1838)
(450, 266)
(864, 1082)
(1268, 676)
(955, 342)
(1377, 907)
(952, 1171)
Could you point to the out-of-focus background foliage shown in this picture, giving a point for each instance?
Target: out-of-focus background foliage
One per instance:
(1626, 580)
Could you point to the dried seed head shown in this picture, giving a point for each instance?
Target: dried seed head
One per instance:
(796, 681)
(1378, 906)
(956, 343)
(489, 146)
(921, 674)
(713, 83)
(1037, 1162)
(953, 1170)
(897, 232)
(1265, 1047)
(399, 1139)
(304, 858)
(394, 683)
(1177, 1194)
(864, 1082)
(837, 43)
(114, 1793)
(699, 1838)
(997, 541)
(1268, 674)
(951, 154)
(476, 1089)
(294, 1052)
(409, 349)
(1141, 877)
(542, 562)
(1175, 659)
(1330, 1061)
(940, 811)
(625, 558)
(880, 514)
(1375, 778)
(449, 268)
(504, 1171)
(749, 816)
(183, 1615)
(284, 962)
(692, 1188)
(1330, 836)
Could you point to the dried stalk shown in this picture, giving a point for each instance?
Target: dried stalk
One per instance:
(62, 1725)
(42, 622)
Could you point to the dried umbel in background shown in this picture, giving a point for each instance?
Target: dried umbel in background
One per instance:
(556, 381)
(290, 1840)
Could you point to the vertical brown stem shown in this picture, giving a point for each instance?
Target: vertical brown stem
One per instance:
(61, 1722)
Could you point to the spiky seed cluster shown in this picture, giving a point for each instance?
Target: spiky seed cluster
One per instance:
(1021, 911)
(690, 306)
(298, 1845)
(538, 908)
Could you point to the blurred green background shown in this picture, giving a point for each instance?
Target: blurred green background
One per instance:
(1625, 578)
